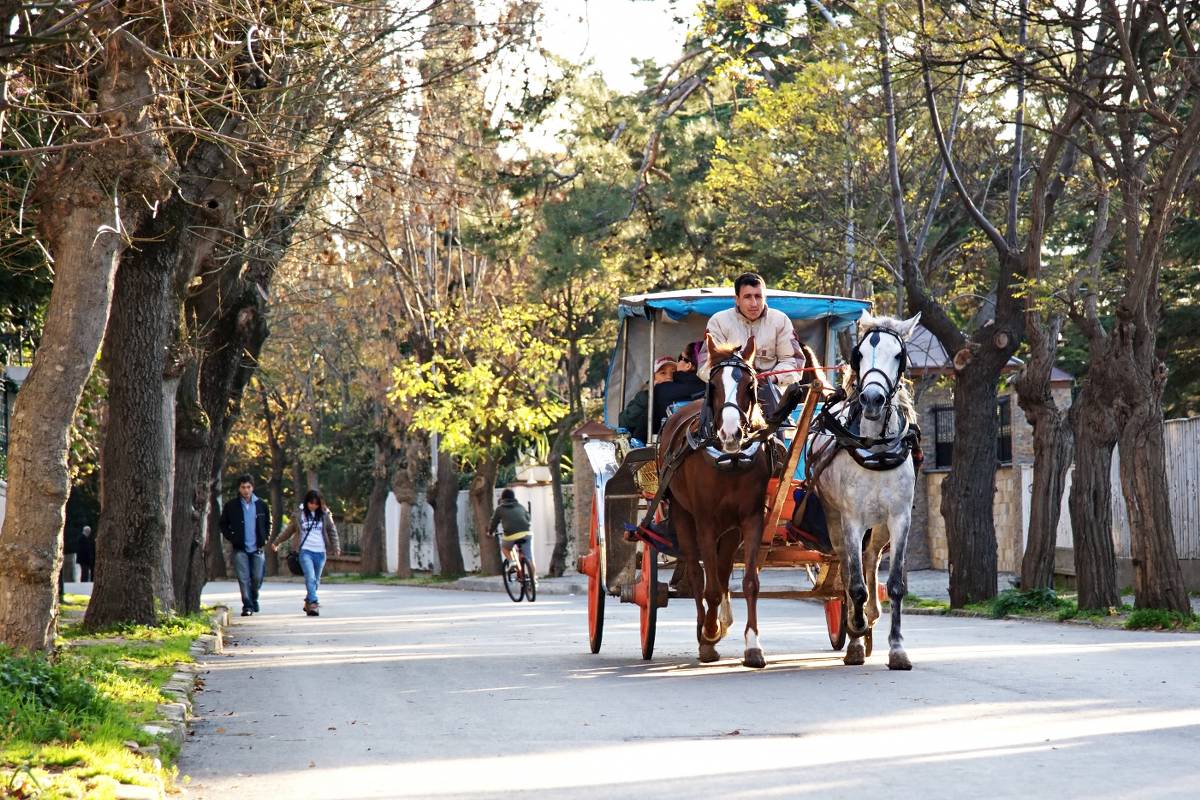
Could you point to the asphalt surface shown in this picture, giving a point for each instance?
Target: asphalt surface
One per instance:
(411, 692)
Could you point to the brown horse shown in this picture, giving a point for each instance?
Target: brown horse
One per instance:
(717, 493)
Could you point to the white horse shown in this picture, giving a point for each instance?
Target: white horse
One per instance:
(869, 483)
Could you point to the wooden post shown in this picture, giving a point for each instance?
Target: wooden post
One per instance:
(793, 458)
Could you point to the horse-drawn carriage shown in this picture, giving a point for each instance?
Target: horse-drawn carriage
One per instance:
(619, 563)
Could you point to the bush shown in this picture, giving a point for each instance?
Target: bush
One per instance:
(1158, 619)
(1027, 601)
(41, 701)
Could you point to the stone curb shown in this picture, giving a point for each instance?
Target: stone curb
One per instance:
(173, 716)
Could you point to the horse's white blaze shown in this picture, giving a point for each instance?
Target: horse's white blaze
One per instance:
(752, 642)
(731, 421)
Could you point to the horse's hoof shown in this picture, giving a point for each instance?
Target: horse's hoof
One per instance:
(754, 658)
(708, 654)
(898, 659)
(856, 655)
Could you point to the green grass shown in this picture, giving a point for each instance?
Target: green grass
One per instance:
(916, 601)
(1157, 619)
(65, 719)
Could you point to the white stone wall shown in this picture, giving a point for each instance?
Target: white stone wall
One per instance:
(538, 498)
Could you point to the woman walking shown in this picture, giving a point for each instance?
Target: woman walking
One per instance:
(313, 527)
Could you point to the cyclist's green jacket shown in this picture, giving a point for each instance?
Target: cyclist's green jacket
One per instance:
(513, 516)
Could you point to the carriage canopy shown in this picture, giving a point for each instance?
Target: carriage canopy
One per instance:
(662, 323)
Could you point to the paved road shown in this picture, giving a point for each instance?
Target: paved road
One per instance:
(407, 692)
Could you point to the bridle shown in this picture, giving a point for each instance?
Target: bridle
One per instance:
(890, 386)
(706, 435)
(882, 452)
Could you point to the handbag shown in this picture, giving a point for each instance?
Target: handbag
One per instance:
(293, 556)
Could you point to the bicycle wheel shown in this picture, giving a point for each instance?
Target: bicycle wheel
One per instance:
(530, 580)
(513, 583)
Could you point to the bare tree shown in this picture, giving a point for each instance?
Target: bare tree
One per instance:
(99, 171)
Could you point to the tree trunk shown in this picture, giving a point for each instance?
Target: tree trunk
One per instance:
(1091, 496)
(133, 510)
(445, 517)
(164, 590)
(374, 553)
(76, 222)
(133, 515)
(1157, 576)
(967, 492)
(404, 542)
(38, 481)
(558, 560)
(1052, 448)
(482, 493)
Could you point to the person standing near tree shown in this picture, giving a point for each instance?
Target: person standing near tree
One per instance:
(318, 537)
(246, 524)
(85, 554)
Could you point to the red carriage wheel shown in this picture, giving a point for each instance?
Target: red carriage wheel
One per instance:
(835, 623)
(591, 565)
(646, 596)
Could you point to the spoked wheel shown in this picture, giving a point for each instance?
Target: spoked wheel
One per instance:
(646, 596)
(513, 583)
(591, 565)
(835, 623)
(530, 581)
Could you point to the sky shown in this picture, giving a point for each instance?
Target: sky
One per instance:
(612, 32)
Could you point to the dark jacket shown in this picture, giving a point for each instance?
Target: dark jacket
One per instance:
(685, 386)
(512, 515)
(633, 416)
(233, 529)
(85, 551)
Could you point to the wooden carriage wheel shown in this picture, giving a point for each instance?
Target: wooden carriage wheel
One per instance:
(646, 597)
(592, 566)
(835, 623)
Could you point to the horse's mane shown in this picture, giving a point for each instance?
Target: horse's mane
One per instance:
(904, 396)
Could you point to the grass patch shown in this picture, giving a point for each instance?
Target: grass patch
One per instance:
(65, 719)
(916, 601)
(423, 579)
(1157, 619)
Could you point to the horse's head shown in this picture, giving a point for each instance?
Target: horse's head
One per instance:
(879, 360)
(732, 397)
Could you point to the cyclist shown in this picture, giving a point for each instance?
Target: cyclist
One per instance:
(513, 517)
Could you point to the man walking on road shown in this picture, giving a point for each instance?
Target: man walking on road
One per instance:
(246, 523)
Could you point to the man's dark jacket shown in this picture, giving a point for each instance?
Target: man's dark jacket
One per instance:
(234, 529)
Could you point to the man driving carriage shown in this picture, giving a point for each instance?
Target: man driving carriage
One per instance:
(776, 344)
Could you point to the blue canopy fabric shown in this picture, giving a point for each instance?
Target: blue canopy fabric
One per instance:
(842, 312)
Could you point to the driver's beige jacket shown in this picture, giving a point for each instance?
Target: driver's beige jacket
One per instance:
(775, 344)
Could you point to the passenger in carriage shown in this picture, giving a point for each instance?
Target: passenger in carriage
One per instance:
(683, 388)
(633, 418)
(776, 346)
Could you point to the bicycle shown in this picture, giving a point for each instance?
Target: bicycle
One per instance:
(517, 573)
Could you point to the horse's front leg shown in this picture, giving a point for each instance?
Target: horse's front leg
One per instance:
(710, 628)
(874, 549)
(752, 530)
(897, 587)
(852, 531)
(685, 528)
